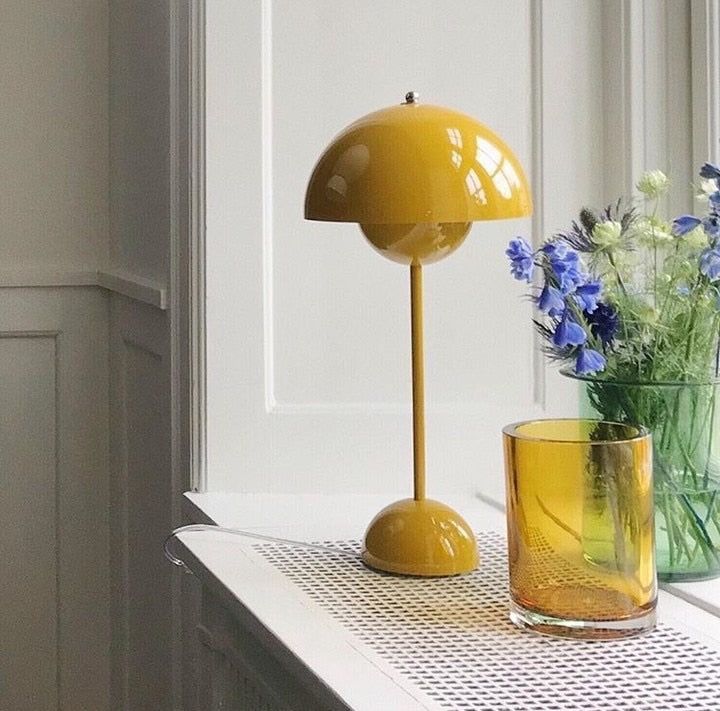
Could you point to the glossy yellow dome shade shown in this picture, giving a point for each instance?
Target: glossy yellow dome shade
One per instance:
(417, 163)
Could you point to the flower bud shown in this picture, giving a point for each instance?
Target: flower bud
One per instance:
(607, 234)
(653, 183)
(648, 314)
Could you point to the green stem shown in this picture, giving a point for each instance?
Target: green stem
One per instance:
(620, 281)
(708, 549)
(669, 530)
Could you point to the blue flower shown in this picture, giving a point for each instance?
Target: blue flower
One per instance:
(714, 199)
(710, 264)
(683, 290)
(522, 259)
(604, 323)
(587, 296)
(711, 225)
(568, 276)
(710, 171)
(556, 250)
(568, 333)
(565, 266)
(684, 224)
(551, 301)
(589, 361)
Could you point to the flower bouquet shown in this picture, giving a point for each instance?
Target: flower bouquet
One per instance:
(629, 304)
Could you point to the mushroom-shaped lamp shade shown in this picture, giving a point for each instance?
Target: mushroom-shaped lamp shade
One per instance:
(414, 177)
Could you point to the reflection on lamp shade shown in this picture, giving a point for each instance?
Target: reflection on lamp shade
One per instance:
(416, 163)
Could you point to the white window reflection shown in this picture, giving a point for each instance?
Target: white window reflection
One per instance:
(474, 187)
(454, 137)
(500, 171)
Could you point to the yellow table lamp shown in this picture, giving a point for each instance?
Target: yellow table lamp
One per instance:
(415, 177)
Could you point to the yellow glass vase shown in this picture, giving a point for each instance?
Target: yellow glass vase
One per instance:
(580, 528)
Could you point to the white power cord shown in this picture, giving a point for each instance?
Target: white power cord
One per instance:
(246, 534)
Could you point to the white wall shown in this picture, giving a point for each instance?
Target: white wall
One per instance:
(54, 114)
(55, 621)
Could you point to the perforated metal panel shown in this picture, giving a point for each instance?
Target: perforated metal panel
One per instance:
(452, 638)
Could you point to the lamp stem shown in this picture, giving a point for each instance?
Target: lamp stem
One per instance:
(418, 381)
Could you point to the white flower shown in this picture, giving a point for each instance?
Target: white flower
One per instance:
(652, 231)
(607, 234)
(696, 239)
(653, 183)
(707, 188)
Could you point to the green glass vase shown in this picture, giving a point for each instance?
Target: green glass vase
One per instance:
(684, 419)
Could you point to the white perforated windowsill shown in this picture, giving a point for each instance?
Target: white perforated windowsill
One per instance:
(382, 642)
(452, 638)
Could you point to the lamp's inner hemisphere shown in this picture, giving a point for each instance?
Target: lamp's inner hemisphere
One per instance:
(416, 243)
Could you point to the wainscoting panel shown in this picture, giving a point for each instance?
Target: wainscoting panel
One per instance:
(28, 625)
(54, 505)
(142, 510)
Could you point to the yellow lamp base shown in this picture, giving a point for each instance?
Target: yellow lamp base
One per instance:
(423, 537)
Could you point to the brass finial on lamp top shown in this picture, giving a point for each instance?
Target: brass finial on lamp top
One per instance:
(415, 177)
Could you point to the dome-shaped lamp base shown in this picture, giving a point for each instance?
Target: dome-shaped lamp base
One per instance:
(424, 538)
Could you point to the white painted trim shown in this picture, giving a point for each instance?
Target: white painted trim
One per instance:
(119, 282)
(624, 89)
(272, 405)
(538, 178)
(634, 90)
(30, 277)
(646, 64)
(385, 408)
(705, 28)
(134, 287)
(179, 279)
(267, 204)
(196, 306)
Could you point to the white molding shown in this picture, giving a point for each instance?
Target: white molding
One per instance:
(634, 91)
(197, 268)
(56, 519)
(134, 287)
(114, 280)
(646, 63)
(75, 320)
(178, 222)
(184, 20)
(537, 171)
(272, 404)
(15, 333)
(29, 277)
(389, 408)
(267, 204)
(677, 106)
(705, 28)
(624, 89)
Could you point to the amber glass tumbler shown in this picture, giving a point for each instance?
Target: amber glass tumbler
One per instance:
(581, 543)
